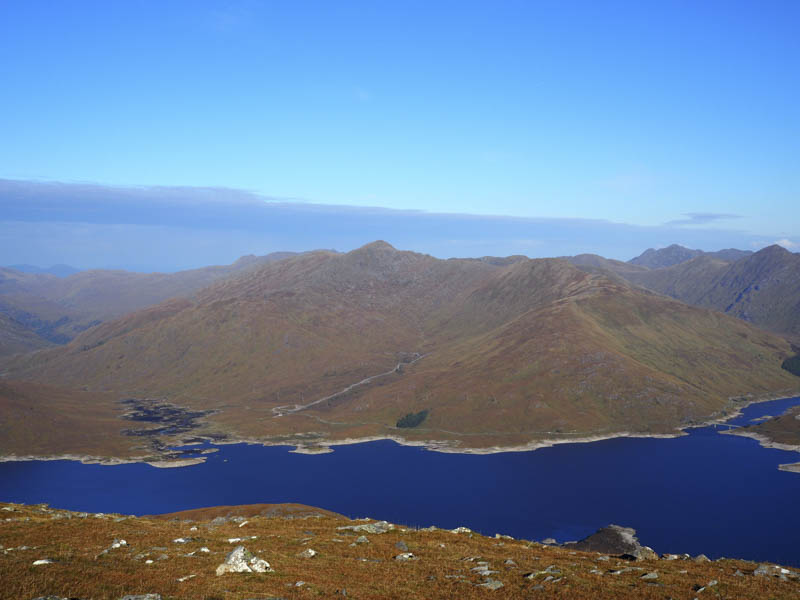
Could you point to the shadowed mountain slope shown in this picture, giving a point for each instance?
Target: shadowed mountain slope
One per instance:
(762, 288)
(58, 308)
(16, 338)
(327, 346)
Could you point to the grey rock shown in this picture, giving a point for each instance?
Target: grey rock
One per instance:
(377, 527)
(615, 539)
(549, 541)
(402, 546)
(142, 597)
(362, 539)
(241, 560)
(651, 575)
(509, 562)
(405, 556)
(492, 584)
(701, 558)
(308, 553)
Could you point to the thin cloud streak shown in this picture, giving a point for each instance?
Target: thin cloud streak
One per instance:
(702, 218)
(159, 228)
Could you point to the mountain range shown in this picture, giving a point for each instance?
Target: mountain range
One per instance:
(322, 347)
(55, 309)
(762, 288)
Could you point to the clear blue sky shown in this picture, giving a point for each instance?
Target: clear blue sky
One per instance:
(639, 112)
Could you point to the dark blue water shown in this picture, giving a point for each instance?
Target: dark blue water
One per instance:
(717, 494)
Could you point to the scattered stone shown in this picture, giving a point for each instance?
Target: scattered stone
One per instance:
(149, 561)
(645, 553)
(186, 578)
(241, 560)
(118, 544)
(405, 556)
(193, 528)
(243, 523)
(603, 557)
(549, 542)
(651, 575)
(509, 562)
(142, 597)
(402, 546)
(670, 557)
(362, 539)
(218, 521)
(204, 549)
(701, 558)
(308, 553)
(461, 530)
(377, 527)
(738, 573)
(43, 561)
(491, 584)
(181, 540)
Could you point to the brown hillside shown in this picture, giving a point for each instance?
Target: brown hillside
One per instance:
(498, 354)
(55, 553)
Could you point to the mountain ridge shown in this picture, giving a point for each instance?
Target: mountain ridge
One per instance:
(510, 353)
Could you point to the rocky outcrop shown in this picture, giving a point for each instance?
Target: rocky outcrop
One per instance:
(617, 540)
(241, 560)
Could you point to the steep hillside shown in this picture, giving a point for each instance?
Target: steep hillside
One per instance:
(58, 308)
(16, 338)
(325, 346)
(762, 288)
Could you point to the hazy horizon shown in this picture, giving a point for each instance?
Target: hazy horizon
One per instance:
(144, 135)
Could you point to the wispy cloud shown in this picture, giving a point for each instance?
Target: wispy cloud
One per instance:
(702, 218)
(164, 227)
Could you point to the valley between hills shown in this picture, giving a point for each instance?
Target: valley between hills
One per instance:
(321, 348)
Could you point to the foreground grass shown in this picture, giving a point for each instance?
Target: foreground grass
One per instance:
(87, 566)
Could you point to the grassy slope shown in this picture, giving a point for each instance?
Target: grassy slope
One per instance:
(15, 339)
(762, 288)
(65, 306)
(46, 420)
(529, 350)
(443, 568)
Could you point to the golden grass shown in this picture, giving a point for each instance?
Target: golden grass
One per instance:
(364, 570)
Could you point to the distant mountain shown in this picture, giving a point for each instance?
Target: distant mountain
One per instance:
(326, 346)
(57, 270)
(762, 288)
(676, 254)
(58, 308)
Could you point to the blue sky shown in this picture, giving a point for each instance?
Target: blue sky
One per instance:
(676, 115)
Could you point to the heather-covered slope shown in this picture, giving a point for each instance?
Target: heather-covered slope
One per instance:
(497, 355)
(762, 288)
(309, 552)
(15, 338)
(58, 308)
